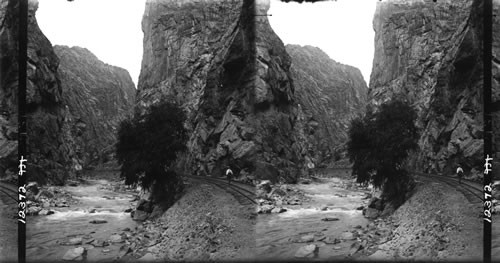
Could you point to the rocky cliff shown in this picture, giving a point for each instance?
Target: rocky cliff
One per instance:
(96, 96)
(227, 68)
(47, 153)
(430, 54)
(496, 77)
(330, 94)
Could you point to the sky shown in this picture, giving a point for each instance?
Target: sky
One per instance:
(111, 29)
(342, 28)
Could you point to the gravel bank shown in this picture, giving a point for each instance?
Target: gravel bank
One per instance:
(436, 223)
(207, 223)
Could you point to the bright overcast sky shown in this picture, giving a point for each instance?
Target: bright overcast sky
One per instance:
(111, 29)
(342, 28)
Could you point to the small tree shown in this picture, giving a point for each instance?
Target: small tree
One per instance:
(378, 145)
(148, 145)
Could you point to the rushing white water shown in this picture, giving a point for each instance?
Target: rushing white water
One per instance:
(275, 232)
(46, 234)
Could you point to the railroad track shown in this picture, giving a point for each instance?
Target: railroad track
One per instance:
(9, 191)
(239, 190)
(469, 189)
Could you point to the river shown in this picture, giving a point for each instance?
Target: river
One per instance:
(277, 233)
(46, 235)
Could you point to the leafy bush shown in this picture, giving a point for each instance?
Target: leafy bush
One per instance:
(378, 145)
(148, 145)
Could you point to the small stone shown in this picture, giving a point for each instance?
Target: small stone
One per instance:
(116, 239)
(75, 254)
(75, 241)
(347, 236)
(309, 251)
(307, 238)
(331, 240)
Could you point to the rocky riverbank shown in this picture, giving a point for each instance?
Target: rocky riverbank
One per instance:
(436, 223)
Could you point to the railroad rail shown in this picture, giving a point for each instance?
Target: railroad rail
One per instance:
(9, 191)
(239, 190)
(470, 189)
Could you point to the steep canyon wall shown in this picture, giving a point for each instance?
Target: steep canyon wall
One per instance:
(330, 95)
(429, 53)
(229, 71)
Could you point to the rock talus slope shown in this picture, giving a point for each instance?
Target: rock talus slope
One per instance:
(330, 94)
(96, 97)
(220, 63)
(429, 53)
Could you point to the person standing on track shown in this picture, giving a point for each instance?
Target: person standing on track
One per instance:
(229, 174)
(460, 174)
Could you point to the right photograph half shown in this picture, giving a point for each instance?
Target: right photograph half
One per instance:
(388, 115)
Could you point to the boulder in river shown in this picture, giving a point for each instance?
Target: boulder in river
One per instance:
(74, 241)
(99, 243)
(74, 254)
(45, 212)
(376, 203)
(33, 210)
(306, 239)
(116, 238)
(331, 240)
(347, 236)
(265, 209)
(139, 215)
(278, 210)
(98, 221)
(309, 251)
(371, 213)
(330, 219)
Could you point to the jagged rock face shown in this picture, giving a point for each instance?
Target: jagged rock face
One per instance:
(224, 69)
(8, 86)
(96, 96)
(430, 54)
(330, 94)
(47, 154)
(495, 85)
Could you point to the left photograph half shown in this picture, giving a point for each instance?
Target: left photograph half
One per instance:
(120, 166)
